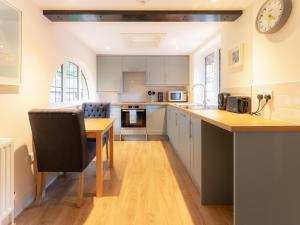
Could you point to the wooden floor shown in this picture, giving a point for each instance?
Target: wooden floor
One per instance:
(148, 186)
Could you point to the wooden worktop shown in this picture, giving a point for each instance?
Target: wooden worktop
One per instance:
(234, 122)
(140, 103)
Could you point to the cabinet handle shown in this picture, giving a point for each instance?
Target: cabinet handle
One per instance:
(191, 126)
(176, 119)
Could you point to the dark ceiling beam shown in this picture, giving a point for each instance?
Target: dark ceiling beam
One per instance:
(141, 16)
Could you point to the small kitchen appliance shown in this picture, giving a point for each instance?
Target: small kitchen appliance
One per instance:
(177, 96)
(160, 96)
(222, 100)
(238, 104)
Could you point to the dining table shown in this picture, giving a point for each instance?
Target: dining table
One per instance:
(96, 128)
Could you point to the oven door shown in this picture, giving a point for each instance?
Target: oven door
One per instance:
(133, 118)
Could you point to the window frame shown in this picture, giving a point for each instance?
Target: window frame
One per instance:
(217, 74)
(65, 102)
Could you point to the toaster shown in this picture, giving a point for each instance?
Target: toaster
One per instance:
(238, 104)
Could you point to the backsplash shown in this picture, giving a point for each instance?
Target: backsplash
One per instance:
(286, 101)
(135, 90)
(285, 105)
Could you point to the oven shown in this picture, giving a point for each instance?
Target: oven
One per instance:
(133, 116)
(177, 96)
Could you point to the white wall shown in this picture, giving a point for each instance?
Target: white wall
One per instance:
(45, 47)
(233, 34)
(197, 67)
(276, 56)
(271, 62)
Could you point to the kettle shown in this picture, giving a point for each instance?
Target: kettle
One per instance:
(222, 100)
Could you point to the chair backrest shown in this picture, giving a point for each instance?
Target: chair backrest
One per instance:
(59, 139)
(96, 110)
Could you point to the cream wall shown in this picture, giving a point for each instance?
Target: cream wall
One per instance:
(233, 34)
(276, 56)
(271, 62)
(45, 47)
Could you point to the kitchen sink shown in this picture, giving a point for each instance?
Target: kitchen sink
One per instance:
(191, 106)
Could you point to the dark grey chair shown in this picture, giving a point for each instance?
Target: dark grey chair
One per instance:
(60, 145)
(98, 110)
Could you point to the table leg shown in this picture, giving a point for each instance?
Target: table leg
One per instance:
(111, 147)
(99, 166)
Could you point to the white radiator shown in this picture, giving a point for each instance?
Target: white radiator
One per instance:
(6, 181)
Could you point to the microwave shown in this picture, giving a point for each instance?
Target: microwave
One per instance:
(177, 96)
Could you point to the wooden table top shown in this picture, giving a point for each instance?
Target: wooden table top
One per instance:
(234, 122)
(98, 124)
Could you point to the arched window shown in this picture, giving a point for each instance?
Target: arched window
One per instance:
(69, 85)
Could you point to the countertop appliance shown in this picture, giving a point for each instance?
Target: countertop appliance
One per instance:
(160, 96)
(222, 100)
(133, 117)
(238, 104)
(177, 96)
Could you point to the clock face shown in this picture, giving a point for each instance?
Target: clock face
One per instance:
(273, 15)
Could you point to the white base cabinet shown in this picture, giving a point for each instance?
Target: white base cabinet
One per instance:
(195, 148)
(156, 120)
(115, 113)
(184, 133)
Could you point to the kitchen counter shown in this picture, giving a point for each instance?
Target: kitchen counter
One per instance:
(234, 122)
(140, 103)
(247, 161)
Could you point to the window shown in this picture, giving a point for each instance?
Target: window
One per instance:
(84, 91)
(69, 85)
(56, 94)
(212, 78)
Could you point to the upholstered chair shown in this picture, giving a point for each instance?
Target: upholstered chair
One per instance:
(60, 145)
(98, 110)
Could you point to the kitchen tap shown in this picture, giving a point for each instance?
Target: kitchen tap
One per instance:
(201, 85)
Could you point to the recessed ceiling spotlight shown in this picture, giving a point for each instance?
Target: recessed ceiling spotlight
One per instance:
(143, 2)
(1, 46)
(107, 47)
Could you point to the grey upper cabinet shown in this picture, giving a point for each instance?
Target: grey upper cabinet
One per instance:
(134, 64)
(160, 70)
(109, 73)
(176, 70)
(155, 70)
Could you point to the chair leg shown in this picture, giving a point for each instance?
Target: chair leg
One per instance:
(40, 187)
(107, 150)
(80, 190)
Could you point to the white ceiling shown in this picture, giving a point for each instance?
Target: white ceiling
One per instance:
(178, 38)
(107, 38)
(150, 5)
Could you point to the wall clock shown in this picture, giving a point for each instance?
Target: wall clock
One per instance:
(273, 15)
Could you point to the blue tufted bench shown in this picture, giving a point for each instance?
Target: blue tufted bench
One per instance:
(98, 110)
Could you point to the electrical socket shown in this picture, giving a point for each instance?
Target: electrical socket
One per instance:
(266, 92)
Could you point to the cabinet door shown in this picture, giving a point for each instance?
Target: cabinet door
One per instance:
(155, 74)
(176, 70)
(156, 120)
(169, 122)
(195, 147)
(115, 113)
(109, 73)
(184, 139)
(134, 64)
